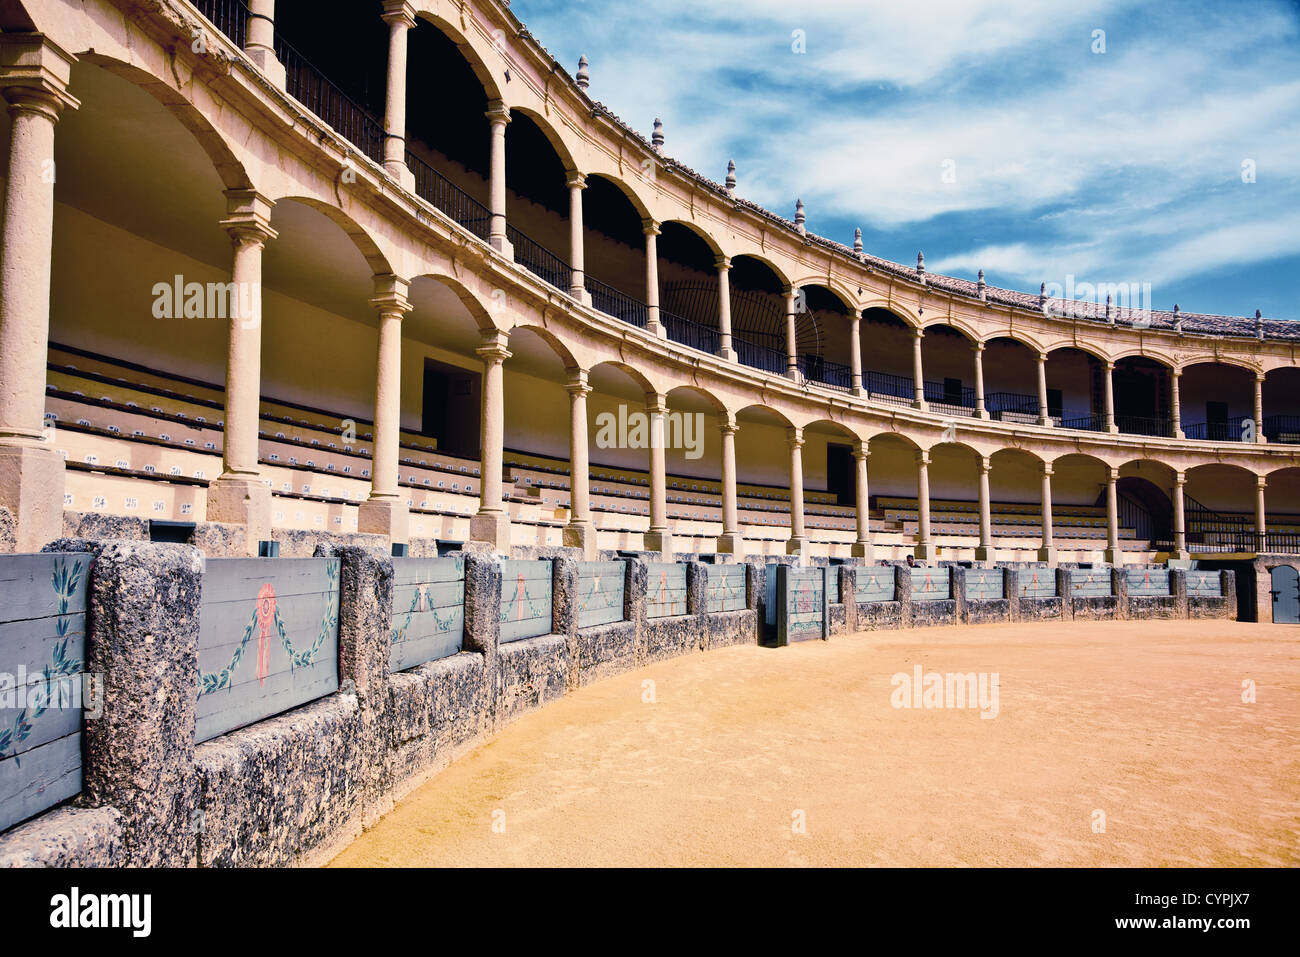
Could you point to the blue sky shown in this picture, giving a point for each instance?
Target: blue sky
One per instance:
(1116, 166)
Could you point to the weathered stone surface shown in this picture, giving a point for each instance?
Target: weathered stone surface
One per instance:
(302, 543)
(838, 623)
(670, 637)
(434, 711)
(879, 615)
(66, 837)
(848, 595)
(986, 611)
(1207, 608)
(143, 641)
(483, 623)
(603, 651)
(1041, 609)
(8, 535)
(727, 628)
(1094, 609)
(221, 539)
(99, 525)
(1157, 606)
(288, 790)
(533, 672)
(564, 611)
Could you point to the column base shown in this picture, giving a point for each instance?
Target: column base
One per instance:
(983, 553)
(923, 551)
(1113, 556)
(385, 516)
(581, 294)
(265, 59)
(862, 550)
(982, 414)
(795, 546)
(1180, 554)
(921, 405)
(1045, 422)
(731, 543)
(580, 535)
(400, 172)
(857, 391)
(656, 329)
(31, 488)
(656, 541)
(502, 245)
(727, 354)
(242, 501)
(491, 532)
(1047, 555)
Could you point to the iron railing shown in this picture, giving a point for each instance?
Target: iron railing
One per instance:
(760, 357)
(938, 392)
(614, 303)
(1015, 403)
(1211, 531)
(833, 375)
(310, 87)
(437, 190)
(1282, 428)
(1139, 425)
(1091, 422)
(693, 334)
(228, 16)
(1227, 430)
(539, 260)
(886, 383)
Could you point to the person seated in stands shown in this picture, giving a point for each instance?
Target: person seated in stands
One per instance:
(911, 562)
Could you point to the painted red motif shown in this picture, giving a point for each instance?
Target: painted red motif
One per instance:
(265, 618)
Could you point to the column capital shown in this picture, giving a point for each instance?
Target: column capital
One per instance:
(35, 73)
(493, 348)
(1046, 469)
(986, 464)
(922, 457)
(398, 11)
(1114, 474)
(1176, 372)
(1109, 365)
(861, 450)
(723, 263)
(1261, 482)
(794, 436)
(497, 112)
(649, 227)
(248, 216)
(390, 295)
(574, 179)
(1260, 376)
(577, 382)
(656, 403)
(978, 347)
(1042, 358)
(918, 332)
(728, 423)
(1180, 479)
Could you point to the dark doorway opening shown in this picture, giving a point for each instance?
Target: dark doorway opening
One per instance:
(451, 408)
(840, 477)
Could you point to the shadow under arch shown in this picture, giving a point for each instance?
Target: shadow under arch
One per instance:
(369, 249)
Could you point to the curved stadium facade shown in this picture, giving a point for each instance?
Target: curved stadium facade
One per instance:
(398, 278)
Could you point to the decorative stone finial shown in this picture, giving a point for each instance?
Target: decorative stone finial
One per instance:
(1259, 325)
(799, 216)
(657, 137)
(1042, 293)
(857, 241)
(920, 263)
(731, 178)
(584, 75)
(1110, 313)
(983, 289)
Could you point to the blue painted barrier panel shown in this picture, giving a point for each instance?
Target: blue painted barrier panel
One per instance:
(526, 594)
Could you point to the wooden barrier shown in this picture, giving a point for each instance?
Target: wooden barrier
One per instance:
(428, 610)
(291, 607)
(526, 593)
(984, 584)
(1037, 582)
(665, 590)
(876, 583)
(803, 596)
(42, 651)
(1148, 582)
(1203, 584)
(726, 588)
(1091, 583)
(931, 584)
(600, 592)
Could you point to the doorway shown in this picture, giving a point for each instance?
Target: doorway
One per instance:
(1286, 595)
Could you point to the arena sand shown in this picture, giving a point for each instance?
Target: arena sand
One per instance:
(1142, 721)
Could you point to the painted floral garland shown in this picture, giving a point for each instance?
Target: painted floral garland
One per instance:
(421, 596)
(64, 581)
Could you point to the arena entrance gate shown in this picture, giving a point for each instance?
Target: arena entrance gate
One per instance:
(1286, 595)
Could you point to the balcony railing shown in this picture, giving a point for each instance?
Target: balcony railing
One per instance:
(760, 357)
(1139, 425)
(1282, 428)
(1091, 422)
(310, 87)
(1228, 430)
(704, 338)
(436, 189)
(539, 260)
(614, 303)
(888, 384)
(822, 372)
(228, 16)
(1012, 403)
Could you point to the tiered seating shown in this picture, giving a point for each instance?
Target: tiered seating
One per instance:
(959, 518)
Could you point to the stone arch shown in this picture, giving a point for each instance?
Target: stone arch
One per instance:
(552, 134)
(375, 257)
(465, 42)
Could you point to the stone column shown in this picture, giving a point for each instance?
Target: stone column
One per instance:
(1048, 552)
(730, 542)
(498, 115)
(1113, 554)
(240, 496)
(579, 533)
(259, 40)
(855, 354)
(1044, 415)
(923, 548)
(796, 543)
(1259, 409)
(385, 512)
(1176, 403)
(400, 17)
(1108, 398)
(980, 411)
(918, 372)
(658, 538)
(861, 452)
(791, 340)
(1180, 516)
(490, 528)
(984, 552)
(724, 308)
(652, 323)
(577, 182)
(34, 76)
(1261, 515)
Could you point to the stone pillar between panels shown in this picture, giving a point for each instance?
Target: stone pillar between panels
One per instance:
(400, 17)
(489, 530)
(259, 40)
(862, 547)
(1261, 515)
(658, 538)
(498, 115)
(386, 512)
(240, 496)
(731, 541)
(34, 75)
(795, 545)
(579, 533)
(653, 323)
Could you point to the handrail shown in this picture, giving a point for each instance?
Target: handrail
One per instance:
(693, 334)
(314, 90)
(760, 357)
(832, 375)
(612, 302)
(436, 189)
(228, 16)
(539, 260)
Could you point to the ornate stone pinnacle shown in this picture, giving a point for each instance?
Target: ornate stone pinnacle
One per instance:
(584, 75)
(657, 137)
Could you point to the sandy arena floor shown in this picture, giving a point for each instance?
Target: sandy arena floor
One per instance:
(1143, 721)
